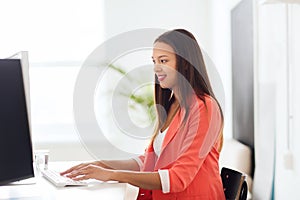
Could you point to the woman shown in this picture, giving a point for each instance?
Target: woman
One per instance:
(181, 161)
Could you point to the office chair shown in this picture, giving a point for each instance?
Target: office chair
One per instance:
(234, 184)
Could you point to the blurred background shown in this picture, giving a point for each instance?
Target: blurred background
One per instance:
(253, 44)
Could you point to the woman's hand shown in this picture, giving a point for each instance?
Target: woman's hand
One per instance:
(82, 165)
(90, 171)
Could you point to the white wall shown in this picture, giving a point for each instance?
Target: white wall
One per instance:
(271, 74)
(220, 13)
(287, 179)
(128, 15)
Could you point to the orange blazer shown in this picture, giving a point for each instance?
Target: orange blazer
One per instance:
(190, 154)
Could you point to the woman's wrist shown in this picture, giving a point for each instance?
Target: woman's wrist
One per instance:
(98, 163)
(113, 175)
(101, 163)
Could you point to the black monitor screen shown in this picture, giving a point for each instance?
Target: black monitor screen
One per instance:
(15, 141)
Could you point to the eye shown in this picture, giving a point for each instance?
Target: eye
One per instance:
(163, 61)
(153, 61)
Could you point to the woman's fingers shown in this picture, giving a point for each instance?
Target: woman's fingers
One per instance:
(75, 174)
(69, 170)
(76, 167)
(81, 172)
(83, 177)
(89, 171)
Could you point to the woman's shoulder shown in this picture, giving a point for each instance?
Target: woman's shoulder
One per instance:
(205, 104)
(205, 100)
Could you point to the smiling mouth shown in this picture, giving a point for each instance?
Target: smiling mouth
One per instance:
(161, 77)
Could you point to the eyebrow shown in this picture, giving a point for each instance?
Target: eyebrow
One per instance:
(160, 56)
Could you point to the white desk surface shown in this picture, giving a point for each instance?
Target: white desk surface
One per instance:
(39, 188)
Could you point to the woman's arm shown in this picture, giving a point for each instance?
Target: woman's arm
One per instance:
(130, 164)
(146, 180)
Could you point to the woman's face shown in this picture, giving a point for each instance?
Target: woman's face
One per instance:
(164, 59)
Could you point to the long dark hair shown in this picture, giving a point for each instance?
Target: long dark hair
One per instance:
(190, 64)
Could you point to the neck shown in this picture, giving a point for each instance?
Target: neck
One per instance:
(175, 93)
(171, 113)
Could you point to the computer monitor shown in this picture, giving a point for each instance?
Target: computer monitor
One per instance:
(16, 157)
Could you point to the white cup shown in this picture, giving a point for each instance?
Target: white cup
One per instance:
(41, 159)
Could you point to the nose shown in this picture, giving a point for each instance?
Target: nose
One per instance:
(157, 68)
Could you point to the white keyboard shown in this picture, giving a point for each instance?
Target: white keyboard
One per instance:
(60, 181)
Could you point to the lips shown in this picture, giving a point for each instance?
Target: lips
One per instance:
(161, 77)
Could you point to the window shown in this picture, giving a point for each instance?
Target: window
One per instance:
(58, 35)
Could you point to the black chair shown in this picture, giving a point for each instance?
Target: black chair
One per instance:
(234, 184)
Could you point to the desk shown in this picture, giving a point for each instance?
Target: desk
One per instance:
(40, 189)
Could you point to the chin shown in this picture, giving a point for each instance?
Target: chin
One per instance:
(163, 86)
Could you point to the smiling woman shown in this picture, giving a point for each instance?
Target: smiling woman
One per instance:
(190, 123)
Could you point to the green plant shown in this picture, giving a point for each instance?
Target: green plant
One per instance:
(142, 98)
